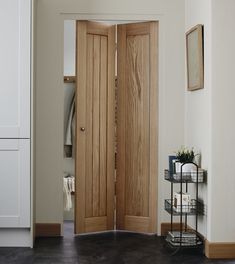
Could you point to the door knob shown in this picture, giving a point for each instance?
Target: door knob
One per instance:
(82, 129)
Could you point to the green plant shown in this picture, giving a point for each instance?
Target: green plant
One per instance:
(185, 155)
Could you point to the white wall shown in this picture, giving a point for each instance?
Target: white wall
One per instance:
(49, 87)
(209, 120)
(221, 226)
(69, 47)
(198, 103)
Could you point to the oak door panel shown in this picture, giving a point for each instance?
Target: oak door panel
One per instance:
(89, 133)
(137, 121)
(103, 126)
(137, 136)
(95, 129)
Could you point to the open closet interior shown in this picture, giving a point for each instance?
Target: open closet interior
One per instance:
(69, 119)
(110, 134)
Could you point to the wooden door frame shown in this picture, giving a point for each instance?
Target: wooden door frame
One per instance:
(130, 18)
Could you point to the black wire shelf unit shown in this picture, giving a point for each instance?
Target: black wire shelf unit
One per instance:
(185, 236)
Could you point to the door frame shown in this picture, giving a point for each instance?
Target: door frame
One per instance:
(62, 14)
(130, 18)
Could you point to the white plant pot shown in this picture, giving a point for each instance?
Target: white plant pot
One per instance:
(188, 167)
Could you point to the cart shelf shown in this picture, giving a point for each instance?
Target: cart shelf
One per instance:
(184, 239)
(194, 208)
(187, 177)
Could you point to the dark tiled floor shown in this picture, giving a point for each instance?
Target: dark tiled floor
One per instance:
(106, 248)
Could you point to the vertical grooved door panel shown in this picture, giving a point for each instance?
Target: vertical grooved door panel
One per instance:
(137, 121)
(102, 126)
(137, 127)
(89, 128)
(95, 112)
(96, 125)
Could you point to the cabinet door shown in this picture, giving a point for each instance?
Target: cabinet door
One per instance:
(15, 183)
(15, 69)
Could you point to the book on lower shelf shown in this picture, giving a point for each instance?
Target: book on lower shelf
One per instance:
(186, 238)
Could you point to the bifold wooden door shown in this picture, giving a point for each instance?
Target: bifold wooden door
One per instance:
(95, 104)
(136, 192)
(137, 127)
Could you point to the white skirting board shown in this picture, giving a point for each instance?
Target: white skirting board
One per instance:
(15, 237)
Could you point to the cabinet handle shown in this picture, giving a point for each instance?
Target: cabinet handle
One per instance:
(82, 129)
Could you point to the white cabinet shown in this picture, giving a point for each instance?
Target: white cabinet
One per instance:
(15, 55)
(15, 68)
(15, 183)
(15, 159)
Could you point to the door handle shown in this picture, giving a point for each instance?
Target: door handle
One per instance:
(82, 129)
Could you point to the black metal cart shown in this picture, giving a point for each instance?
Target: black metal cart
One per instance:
(185, 236)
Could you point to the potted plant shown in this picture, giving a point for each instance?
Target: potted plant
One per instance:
(185, 157)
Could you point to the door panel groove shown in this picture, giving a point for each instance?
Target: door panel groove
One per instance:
(89, 127)
(96, 121)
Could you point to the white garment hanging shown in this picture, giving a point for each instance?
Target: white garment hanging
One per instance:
(68, 188)
(71, 183)
(68, 198)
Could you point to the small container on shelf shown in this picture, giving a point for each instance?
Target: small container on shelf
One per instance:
(185, 197)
